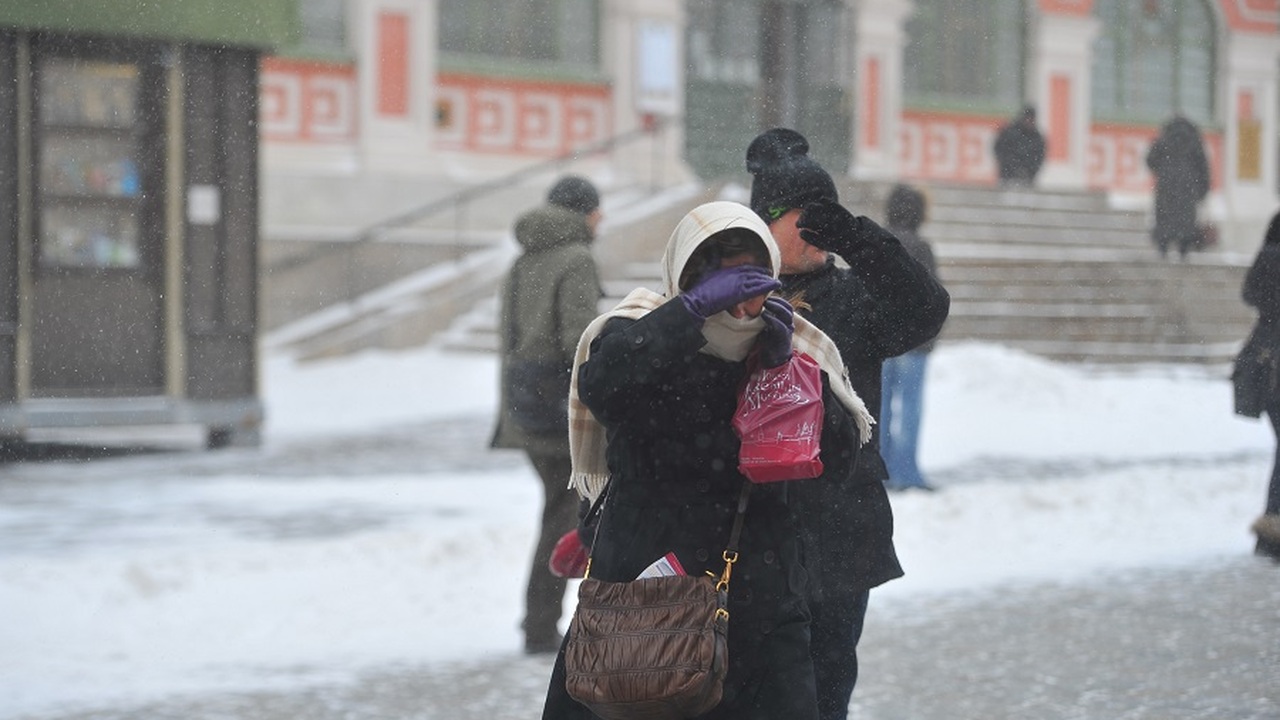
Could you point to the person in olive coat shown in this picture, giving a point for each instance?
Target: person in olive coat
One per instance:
(550, 295)
(882, 305)
(1181, 170)
(1262, 291)
(658, 384)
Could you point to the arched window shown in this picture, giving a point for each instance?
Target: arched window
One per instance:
(965, 55)
(1153, 60)
(557, 36)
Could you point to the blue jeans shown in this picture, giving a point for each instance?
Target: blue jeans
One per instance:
(901, 404)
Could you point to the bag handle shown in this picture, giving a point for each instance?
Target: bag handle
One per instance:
(730, 554)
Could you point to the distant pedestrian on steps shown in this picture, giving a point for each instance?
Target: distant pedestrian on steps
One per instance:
(1181, 171)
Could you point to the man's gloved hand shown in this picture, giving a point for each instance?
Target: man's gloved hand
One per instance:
(829, 226)
(723, 288)
(774, 341)
(569, 556)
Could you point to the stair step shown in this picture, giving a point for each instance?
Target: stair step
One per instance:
(1059, 274)
(1025, 217)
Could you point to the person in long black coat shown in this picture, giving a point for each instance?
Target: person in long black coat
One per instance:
(661, 377)
(882, 305)
(1181, 171)
(1262, 291)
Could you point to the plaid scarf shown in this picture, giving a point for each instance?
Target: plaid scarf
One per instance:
(587, 438)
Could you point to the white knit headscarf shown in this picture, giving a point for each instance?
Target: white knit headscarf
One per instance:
(587, 438)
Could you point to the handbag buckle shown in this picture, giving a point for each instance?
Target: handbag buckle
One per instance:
(730, 557)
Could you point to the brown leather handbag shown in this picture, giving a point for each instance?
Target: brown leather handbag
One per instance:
(654, 648)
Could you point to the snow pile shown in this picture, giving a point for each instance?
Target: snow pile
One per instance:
(127, 590)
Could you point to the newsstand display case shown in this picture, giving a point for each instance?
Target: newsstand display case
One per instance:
(129, 213)
(96, 141)
(88, 139)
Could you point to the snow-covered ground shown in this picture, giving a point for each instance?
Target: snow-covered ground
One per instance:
(130, 579)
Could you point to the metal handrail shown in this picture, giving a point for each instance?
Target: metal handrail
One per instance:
(651, 127)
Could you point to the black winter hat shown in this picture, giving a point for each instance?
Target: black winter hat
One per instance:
(783, 175)
(574, 193)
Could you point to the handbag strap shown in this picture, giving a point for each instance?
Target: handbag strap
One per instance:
(730, 554)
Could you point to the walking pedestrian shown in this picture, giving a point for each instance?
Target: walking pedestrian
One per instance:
(902, 404)
(883, 304)
(1019, 149)
(550, 295)
(659, 380)
(1262, 291)
(1181, 170)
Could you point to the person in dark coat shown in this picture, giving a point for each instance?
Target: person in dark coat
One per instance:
(1262, 291)
(1181, 171)
(882, 305)
(902, 402)
(550, 295)
(1019, 149)
(658, 383)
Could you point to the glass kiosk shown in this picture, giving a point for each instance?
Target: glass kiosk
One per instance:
(129, 213)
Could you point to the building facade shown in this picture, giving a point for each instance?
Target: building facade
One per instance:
(889, 89)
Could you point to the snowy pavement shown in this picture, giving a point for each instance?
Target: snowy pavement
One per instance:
(1088, 557)
(1178, 644)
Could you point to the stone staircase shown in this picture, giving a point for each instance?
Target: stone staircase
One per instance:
(1065, 276)
(420, 284)
(630, 241)
(1058, 274)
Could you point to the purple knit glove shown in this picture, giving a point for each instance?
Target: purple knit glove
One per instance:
(774, 342)
(723, 288)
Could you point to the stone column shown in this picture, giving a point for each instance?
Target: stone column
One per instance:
(1249, 78)
(643, 53)
(1060, 81)
(396, 49)
(878, 38)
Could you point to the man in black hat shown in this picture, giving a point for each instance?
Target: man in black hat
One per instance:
(550, 296)
(884, 304)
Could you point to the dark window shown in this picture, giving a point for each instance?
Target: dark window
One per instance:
(965, 54)
(1153, 60)
(324, 28)
(555, 35)
(724, 41)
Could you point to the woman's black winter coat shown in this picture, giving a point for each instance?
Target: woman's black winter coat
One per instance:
(1262, 285)
(1261, 291)
(673, 458)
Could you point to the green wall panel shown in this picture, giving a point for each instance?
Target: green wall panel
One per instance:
(254, 23)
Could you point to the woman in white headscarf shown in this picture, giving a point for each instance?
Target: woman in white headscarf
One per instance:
(655, 389)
